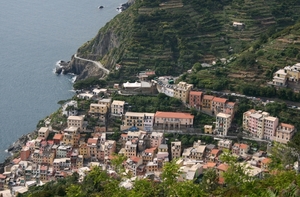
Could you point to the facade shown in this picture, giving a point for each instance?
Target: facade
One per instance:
(106, 101)
(76, 121)
(175, 149)
(117, 108)
(195, 99)
(218, 105)
(43, 132)
(223, 123)
(280, 78)
(143, 121)
(156, 139)
(240, 149)
(173, 120)
(207, 102)
(260, 124)
(293, 72)
(208, 129)
(225, 144)
(284, 133)
(182, 90)
(99, 110)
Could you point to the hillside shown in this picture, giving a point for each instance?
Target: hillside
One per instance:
(170, 36)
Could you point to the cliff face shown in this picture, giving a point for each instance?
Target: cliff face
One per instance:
(82, 69)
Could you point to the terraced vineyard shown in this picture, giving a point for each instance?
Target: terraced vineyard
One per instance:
(170, 36)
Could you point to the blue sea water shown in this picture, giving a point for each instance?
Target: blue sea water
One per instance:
(34, 35)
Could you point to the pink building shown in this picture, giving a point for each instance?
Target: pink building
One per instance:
(195, 99)
(270, 125)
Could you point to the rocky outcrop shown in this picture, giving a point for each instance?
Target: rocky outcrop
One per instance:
(82, 69)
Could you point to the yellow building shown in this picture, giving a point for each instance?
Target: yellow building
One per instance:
(141, 120)
(207, 102)
(293, 72)
(83, 150)
(106, 102)
(208, 129)
(182, 91)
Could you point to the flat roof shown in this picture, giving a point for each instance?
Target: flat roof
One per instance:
(117, 102)
(75, 118)
(195, 93)
(223, 115)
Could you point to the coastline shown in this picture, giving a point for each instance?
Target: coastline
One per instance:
(15, 148)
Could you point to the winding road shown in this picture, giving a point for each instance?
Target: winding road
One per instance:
(97, 63)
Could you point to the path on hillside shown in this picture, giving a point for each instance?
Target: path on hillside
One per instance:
(97, 63)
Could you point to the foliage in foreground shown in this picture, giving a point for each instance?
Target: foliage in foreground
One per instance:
(239, 183)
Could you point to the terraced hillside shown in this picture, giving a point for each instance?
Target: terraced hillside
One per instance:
(170, 36)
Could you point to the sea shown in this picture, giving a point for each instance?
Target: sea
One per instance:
(34, 36)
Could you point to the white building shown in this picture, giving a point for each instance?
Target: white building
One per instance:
(117, 108)
(70, 108)
(223, 123)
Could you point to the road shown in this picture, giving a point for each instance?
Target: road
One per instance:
(97, 63)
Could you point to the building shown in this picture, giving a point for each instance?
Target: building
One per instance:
(156, 139)
(130, 148)
(2, 181)
(99, 110)
(140, 87)
(97, 92)
(225, 144)
(195, 99)
(76, 121)
(208, 129)
(197, 152)
(223, 123)
(280, 78)
(117, 108)
(61, 164)
(207, 102)
(43, 132)
(57, 138)
(143, 121)
(284, 133)
(218, 105)
(182, 90)
(260, 124)
(70, 108)
(148, 155)
(240, 149)
(106, 101)
(173, 120)
(293, 72)
(175, 149)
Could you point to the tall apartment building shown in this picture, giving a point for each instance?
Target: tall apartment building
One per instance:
(117, 108)
(175, 149)
(156, 139)
(207, 102)
(76, 121)
(223, 123)
(43, 132)
(143, 121)
(182, 90)
(218, 105)
(195, 99)
(260, 124)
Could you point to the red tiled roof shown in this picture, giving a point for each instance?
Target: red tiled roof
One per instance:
(287, 125)
(2, 176)
(209, 165)
(135, 159)
(58, 137)
(244, 146)
(150, 150)
(124, 135)
(214, 151)
(221, 180)
(219, 100)
(223, 167)
(208, 97)
(195, 93)
(266, 160)
(92, 141)
(161, 114)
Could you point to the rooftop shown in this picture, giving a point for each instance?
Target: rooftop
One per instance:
(195, 93)
(287, 125)
(219, 100)
(208, 97)
(117, 102)
(179, 115)
(75, 118)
